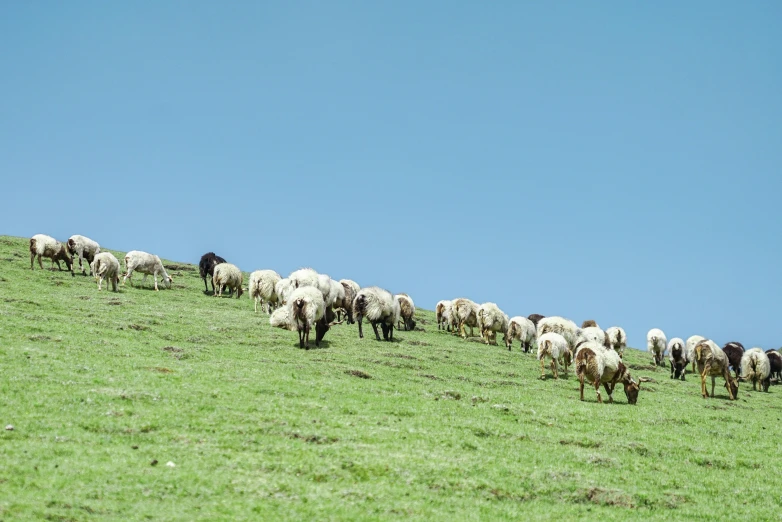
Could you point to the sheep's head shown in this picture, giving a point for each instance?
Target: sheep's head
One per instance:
(733, 387)
(62, 255)
(169, 281)
(631, 390)
(410, 323)
(239, 292)
(71, 246)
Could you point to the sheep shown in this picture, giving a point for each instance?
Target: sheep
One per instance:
(589, 323)
(597, 365)
(281, 318)
(261, 288)
(551, 346)
(656, 343)
(535, 318)
(85, 247)
(465, 313)
(492, 320)
(593, 334)
(734, 351)
(227, 275)
(206, 267)
(712, 361)
(451, 318)
(105, 266)
(690, 348)
(618, 339)
(775, 361)
(147, 264)
(564, 327)
(379, 307)
(304, 277)
(406, 310)
(283, 289)
(350, 288)
(337, 294)
(42, 245)
(522, 329)
(440, 314)
(677, 356)
(305, 308)
(756, 368)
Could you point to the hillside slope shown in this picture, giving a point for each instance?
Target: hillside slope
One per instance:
(103, 390)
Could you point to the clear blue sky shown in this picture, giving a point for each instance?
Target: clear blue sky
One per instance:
(612, 160)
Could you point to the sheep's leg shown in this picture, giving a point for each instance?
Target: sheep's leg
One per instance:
(703, 384)
(360, 319)
(713, 379)
(32, 260)
(581, 385)
(597, 390)
(374, 327)
(462, 332)
(391, 333)
(256, 305)
(307, 336)
(554, 367)
(206, 286)
(301, 336)
(542, 369)
(154, 276)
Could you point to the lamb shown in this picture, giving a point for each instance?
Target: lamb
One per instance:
(535, 318)
(306, 308)
(690, 348)
(656, 343)
(105, 266)
(227, 275)
(262, 289)
(597, 365)
(775, 360)
(492, 320)
(350, 288)
(440, 310)
(564, 327)
(85, 247)
(589, 323)
(551, 346)
(206, 267)
(618, 339)
(677, 355)
(147, 264)
(712, 361)
(42, 245)
(379, 307)
(522, 329)
(756, 368)
(465, 313)
(734, 351)
(406, 310)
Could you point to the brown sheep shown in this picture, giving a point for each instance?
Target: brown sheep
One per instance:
(712, 361)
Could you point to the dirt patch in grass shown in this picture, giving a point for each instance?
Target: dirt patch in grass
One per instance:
(580, 443)
(185, 268)
(428, 376)
(401, 356)
(314, 439)
(137, 327)
(644, 367)
(161, 369)
(358, 373)
(607, 497)
(419, 343)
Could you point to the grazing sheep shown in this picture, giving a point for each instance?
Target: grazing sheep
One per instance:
(492, 320)
(206, 267)
(283, 289)
(304, 277)
(775, 360)
(85, 247)
(227, 275)
(261, 288)
(147, 264)
(592, 334)
(617, 338)
(712, 361)
(379, 307)
(535, 318)
(465, 313)
(42, 245)
(406, 310)
(307, 307)
(564, 327)
(597, 366)
(734, 352)
(589, 323)
(756, 368)
(281, 318)
(656, 344)
(337, 294)
(105, 266)
(522, 329)
(690, 348)
(677, 355)
(440, 314)
(351, 288)
(551, 346)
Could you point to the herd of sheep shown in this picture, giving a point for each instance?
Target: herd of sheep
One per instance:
(307, 299)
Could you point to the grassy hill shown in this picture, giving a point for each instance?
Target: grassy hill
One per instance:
(104, 389)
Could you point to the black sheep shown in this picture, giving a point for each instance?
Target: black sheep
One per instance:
(734, 350)
(206, 267)
(776, 364)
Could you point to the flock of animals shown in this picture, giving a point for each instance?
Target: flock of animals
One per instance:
(307, 299)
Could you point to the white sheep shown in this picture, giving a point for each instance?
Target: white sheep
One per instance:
(564, 327)
(592, 334)
(617, 338)
(85, 247)
(439, 310)
(756, 368)
(227, 275)
(42, 245)
(379, 307)
(552, 346)
(262, 289)
(284, 288)
(690, 348)
(656, 343)
(350, 289)
(147, 264)
(465, 313)
(677, 356)
(406, 311)
(523, 329)
(105, 266)
(304, 277)
(304, 309)
(492, 320)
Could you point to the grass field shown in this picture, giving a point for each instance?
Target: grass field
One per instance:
(104, 389)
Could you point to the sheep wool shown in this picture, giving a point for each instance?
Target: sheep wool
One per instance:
(465, 313)
(551, 346)
(85, 247)
(227, 275)
(564, 327)
(492, 320)
(262, 289)
(379, 307)
(406, 311)
(656, 343)
(756, 368)
(105, 267)
(523, 329)
(617, 338)
(42, 245)
(147, 264)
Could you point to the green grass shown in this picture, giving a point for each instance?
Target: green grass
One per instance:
(101, 386)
